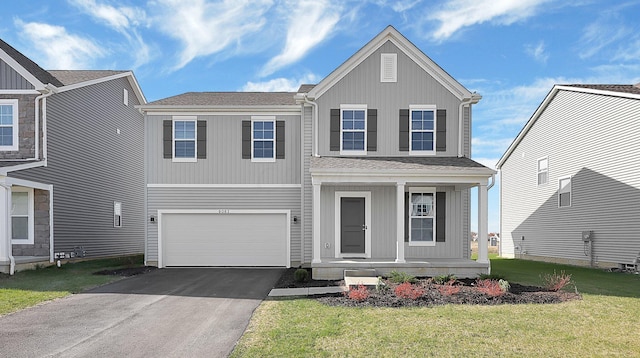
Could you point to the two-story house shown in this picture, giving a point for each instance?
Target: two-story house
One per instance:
(71, 163)
(370, 168)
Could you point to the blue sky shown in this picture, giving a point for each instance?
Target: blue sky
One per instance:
(510, 51)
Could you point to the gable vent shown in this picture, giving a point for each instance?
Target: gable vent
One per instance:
(389, 67)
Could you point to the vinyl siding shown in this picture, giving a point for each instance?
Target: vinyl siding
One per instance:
(224, 163)
(91, 166)
(594, 139)
(10, 79)
(383, 224)
(414, 87)
(222, 198)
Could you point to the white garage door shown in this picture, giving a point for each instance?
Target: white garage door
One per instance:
(230, 239)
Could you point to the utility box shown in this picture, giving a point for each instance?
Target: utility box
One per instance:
(587, 236)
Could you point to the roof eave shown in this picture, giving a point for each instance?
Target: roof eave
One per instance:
(229, 108)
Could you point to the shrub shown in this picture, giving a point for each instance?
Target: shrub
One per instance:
(504, 285)
(407, 290)
(490, 287)
(442, 279)
(555, 282)
(449, 289)
(359, 293)
(380, 285)
(301, 275)
(401, 277)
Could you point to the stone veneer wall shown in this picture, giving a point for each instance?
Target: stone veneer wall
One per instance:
(40, 245)
(26, 127)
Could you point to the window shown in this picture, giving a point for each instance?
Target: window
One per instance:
(117, 214)
(353, 129)
(389, 67)
(422, 128)
(184, 140)
(543, 170)
(263, 138)
(422, 208)
(8, 124)
(564, 192)
(22, 215)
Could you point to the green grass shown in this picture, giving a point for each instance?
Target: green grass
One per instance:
(604, 323)
(31, 287)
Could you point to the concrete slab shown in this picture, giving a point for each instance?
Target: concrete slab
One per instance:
(355, 281)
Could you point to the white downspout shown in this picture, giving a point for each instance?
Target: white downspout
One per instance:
(465, 102)
(12, 260)
(493, 181)
(52, 89)
(315, 124)
(41, 98)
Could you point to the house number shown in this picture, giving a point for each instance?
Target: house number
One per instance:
(223, 211)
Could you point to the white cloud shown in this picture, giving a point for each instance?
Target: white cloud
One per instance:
(537, 52)
(309, 23)
(458, 14)
(280, 84)
(60, 50)
(206, 28)
(599, 35)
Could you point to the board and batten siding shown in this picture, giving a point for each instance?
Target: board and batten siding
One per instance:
(414, 87)
(224, 163)
(383, 224)
(212, 198)
(10, 79)
(91, 165)
(594, 139)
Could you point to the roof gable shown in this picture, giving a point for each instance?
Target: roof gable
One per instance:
(404, 45)
(28, 69)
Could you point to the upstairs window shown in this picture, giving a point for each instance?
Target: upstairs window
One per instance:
(422, 209)
(353, 129)
(564, 192)
(8, 124)
(263, 139)
(543, 171)
(422, 128)
(184, 140)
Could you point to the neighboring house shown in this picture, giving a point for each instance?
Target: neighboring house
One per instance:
(570, 181)
(71, 163)
(369, 168)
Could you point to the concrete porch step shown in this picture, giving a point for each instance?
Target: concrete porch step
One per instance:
(366, 277)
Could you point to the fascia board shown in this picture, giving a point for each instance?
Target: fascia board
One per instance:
(150, 109)
(13, 168)
(39, 86)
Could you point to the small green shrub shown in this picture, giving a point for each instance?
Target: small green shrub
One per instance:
(380, 285)
(301, 275)
(442, 279)
(401, 277)
(504, 285)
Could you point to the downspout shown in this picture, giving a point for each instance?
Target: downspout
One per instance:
(41, 98)
(465, 102)
(52, 89)
(315, 124)
(493, 181)
(12, 260)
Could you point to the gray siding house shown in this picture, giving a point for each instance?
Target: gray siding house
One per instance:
(71, 163)
(370, 168)
(570, 181)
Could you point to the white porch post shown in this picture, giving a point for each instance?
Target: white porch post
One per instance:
(316, 223)
(483, 206)
(5, 221)
(400, 222)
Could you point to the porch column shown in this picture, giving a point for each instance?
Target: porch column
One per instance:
(400, 222)
(316, 223)
(483, 206)
(5, 221)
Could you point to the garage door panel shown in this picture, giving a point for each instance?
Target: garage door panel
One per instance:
(224, 239)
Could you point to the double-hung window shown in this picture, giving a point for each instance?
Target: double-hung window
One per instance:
(22, 215)
(8, 124)
(543, 170)
(353, 129)
(564, 192)
(422, 129)
(422, 217)
(184, 139)
(263, 139)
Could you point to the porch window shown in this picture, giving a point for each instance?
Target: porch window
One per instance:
(353, 129)
(422, 208)
(422, 129)
(564, 192)
(22, 215)
(543, 170)
(8, 124)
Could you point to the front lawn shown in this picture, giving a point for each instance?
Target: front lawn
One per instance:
(30, 287)
(604, 323)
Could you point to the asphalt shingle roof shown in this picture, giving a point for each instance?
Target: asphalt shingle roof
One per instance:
(38, 72)
(382, 163)
(633, 89)
(70, 77)
(305, 88)
(228, 99)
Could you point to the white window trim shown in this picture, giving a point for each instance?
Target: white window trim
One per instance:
(173, 139)
(423, 107)
(384, 75)
(30, 221)
(423, 191)
(16, 142)
(570, 191)
(264, 119)
(367, 222)
(117, 211)
(354, 107)
(538, 171)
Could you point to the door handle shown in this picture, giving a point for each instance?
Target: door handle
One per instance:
(364, 227)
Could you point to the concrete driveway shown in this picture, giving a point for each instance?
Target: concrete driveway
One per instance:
(178, 312)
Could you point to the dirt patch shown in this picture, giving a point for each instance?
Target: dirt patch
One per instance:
(287, 280)
(127, 271)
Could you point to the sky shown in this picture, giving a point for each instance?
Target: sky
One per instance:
(511, 52)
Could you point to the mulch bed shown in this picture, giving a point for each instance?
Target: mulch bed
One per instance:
(127, 271)
(287, 280)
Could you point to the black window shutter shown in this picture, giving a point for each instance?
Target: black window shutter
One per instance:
(372, 130)
(246, 139)
(202, 139)
(441, 222)
(404, 130)
(406, 217)
(441, 130)
(334, 123)
(167, 139)
(280, 134)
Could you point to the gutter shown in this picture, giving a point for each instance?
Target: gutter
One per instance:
(302, 97)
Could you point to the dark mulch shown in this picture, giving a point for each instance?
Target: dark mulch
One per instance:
(127, 271)
(287, 280)
(468, 294)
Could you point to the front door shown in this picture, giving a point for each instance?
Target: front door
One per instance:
(352, 225)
